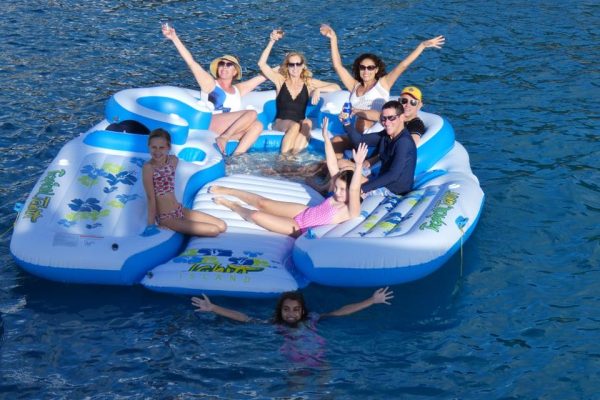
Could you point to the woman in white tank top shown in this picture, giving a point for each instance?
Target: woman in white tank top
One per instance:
(369, 83)
(228, 121)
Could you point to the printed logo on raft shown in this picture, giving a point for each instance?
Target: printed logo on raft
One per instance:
(235, 265)
(440, 211)
(41, 200)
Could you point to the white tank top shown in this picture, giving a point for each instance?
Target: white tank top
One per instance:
(223, 101)
(373, 99)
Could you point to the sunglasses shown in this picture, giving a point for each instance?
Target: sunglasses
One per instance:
(390, 118)
(413, 102)
(298, 64)
(367, 67)
(226, 64)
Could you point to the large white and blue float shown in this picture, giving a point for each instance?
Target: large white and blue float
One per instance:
(83, 220)
(87, 229)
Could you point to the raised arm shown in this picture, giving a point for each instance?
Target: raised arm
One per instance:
(330, 157)
(380, 296)
(204, 305)
(269, 72)
(388, 80)
(359, 156)
(204, 79)
(336, 59)
(249, 85)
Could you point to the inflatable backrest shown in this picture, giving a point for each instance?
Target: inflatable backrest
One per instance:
(174, 109)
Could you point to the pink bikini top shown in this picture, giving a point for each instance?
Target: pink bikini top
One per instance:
(163, 179)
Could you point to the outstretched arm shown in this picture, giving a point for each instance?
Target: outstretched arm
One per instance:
(345, 76)
(204, 305)
(359, 155)
(380, 296)
(269, 72)
(388, 80)
(317, 87)
(330, 157)
(249, 85)
(204, 79)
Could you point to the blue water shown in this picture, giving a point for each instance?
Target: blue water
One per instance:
(517, 317)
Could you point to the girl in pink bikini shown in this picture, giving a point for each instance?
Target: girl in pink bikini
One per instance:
(294, 218)
(163, 208)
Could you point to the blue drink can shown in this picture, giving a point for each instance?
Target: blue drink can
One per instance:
(347, 109)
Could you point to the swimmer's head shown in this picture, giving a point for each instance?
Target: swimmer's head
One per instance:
(291, 309)
(368, 66)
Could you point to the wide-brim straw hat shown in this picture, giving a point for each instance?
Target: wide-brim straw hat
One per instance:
(226, 57)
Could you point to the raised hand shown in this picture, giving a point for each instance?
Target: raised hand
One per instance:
(436, 42)
(276, 34)
(327, 31)
(359, 155)
(202, 304)
(169, 32)
(382, 296)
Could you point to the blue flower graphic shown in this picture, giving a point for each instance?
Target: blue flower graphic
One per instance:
(215, 252)
(137, 161)
(89, 205)
(92, 171)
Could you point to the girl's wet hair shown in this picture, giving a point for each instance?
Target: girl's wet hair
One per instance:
(296, 296)
(378, 63)
(160, 133)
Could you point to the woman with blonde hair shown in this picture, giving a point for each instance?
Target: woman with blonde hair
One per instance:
(294, 85)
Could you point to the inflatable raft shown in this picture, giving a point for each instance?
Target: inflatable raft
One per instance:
(87, 212)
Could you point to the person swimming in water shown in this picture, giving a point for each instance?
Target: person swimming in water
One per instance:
(291, 308)
(302, 344)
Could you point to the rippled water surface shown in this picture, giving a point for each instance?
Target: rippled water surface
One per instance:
(518, 317)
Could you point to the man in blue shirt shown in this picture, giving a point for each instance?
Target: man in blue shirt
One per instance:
(396, 150)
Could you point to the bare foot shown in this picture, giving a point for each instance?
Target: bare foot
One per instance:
(225, 202)
(215, 189)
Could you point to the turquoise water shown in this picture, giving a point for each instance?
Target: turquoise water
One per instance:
(516, 318)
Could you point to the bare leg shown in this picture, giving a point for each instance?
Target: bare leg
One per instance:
(198, 216)
(303, 138)
(273, 223)
(191, 227)
(274, 207)
(291, 129)
(226, 125)
(248, 138)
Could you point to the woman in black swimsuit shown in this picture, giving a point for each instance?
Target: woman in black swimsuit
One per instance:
(294, 85)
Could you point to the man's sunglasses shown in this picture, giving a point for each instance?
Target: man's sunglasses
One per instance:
(413, 102)
(390, 118)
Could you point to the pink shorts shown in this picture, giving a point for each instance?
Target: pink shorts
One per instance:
(175, 214)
